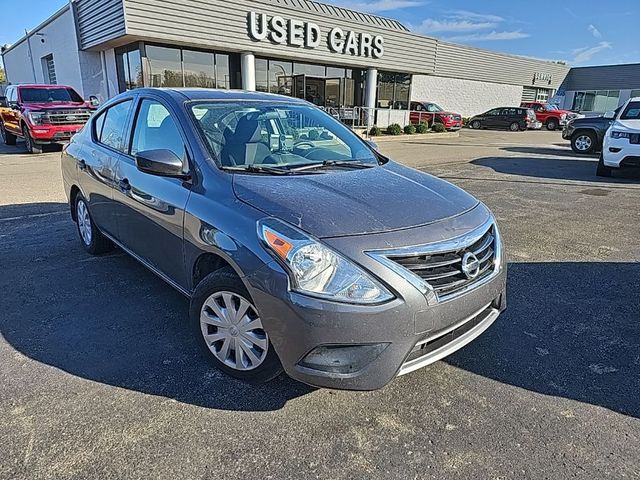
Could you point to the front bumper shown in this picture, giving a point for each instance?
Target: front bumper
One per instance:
(404, 334)
(619, 152)
(45, 134)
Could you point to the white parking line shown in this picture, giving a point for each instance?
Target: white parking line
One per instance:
(35, 215)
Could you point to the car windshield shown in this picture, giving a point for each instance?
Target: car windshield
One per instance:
(550, 108)
(632, 112)
(434, 108)
(269, 136)
(49, 95)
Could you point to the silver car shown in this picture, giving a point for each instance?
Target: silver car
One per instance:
(300, 247)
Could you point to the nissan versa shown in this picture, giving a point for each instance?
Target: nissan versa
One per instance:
(299, 246)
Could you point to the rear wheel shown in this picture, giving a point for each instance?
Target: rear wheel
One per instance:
(602, 170)
(7, 138)
(476, 125)
(514, 127)
(552, 124)
(229, 328)
(29, 143)
(92, 239)
(583, 142)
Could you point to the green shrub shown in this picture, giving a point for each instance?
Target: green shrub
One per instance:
(394, 129)
(465, 121)
(375, 131)
(410, 129)
(438, 128)
(422, 127)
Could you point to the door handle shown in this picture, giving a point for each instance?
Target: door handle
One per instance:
(124, 185)
(82, 165)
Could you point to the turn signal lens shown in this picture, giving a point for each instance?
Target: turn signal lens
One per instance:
(278, 244)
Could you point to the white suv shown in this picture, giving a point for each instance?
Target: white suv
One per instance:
(622, 140)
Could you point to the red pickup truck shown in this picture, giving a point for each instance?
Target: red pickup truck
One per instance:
(549, 115)
(43, 114)
(429, 112)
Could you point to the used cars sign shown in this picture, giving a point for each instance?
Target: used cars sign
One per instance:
(297, 33)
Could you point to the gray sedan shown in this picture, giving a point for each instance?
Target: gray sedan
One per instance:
(300, 247)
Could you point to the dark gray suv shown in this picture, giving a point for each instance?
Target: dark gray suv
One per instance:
(299, 246)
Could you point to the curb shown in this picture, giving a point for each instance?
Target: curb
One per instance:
(417, 136)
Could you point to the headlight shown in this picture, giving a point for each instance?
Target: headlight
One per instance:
(563, 116)
(317, 270)
(615, 134)
(38, 118)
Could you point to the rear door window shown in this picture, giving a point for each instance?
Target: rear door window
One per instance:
(109, 127)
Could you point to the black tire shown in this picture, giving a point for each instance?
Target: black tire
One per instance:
(514, 127)
(583, 142)
(29, 143)
(602, 170)
(227, 280)
(97, 243)
(7, 138)
(552, 124)
(476, 125)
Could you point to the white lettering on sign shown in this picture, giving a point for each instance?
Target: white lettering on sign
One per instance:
(297, 33)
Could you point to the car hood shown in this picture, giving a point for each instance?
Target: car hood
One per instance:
(354, 202)
(448, 113)
(627, 125)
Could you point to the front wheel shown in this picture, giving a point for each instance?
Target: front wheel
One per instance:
(514, 127)
(476, 125)
(93, 241)
(229, 329)
(7, 138)
(552, 124)
(583, 142)
(29, 143)
(602, 170)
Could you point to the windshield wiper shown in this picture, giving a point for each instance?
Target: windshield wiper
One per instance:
(267, 169)
(333, 163)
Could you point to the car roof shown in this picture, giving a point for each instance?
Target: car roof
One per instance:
(39, 85)
(180, 94)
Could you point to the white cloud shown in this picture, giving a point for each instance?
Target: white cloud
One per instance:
(489, 36)
(594, 31)
(585, 54)
(431, 25)
(466, 26)
(379, 5)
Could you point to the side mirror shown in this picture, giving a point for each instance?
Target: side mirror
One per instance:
(93, 100)
(610, 115)
(372, 144)
(163, 163)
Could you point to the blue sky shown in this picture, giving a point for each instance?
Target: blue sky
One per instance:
(580, 32)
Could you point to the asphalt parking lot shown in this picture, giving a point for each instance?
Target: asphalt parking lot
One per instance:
(100, 378)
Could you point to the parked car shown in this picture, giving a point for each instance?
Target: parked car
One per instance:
(587, 133)
(42, 115)
(506, 118)
(295, 254)
(431, 113)
(550, 115)
(621, 147)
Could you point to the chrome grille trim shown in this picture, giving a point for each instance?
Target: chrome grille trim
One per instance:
(418, 273)
(59, 117)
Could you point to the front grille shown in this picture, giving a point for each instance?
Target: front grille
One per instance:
(68, 117)
(443, 270)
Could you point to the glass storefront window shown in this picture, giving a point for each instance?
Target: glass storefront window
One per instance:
(386, 90)
(165, 66)
(223, 72)
(635, 93)
(309, 70)
(199, 69)
(262, 83)
(280, 81)
(596, 101)
(129, 67)
(403, 87)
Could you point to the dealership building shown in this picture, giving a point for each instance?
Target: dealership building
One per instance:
(331, 56)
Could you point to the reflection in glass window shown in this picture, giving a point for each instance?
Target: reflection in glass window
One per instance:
(223, 73)
(262, 84)
(113, 125)
(309, 70)
(199, 69)
(394, 90)
(596, 101)
(280, 77)
(129, 68)
(635, 93)
(165, 66)
(156, 130)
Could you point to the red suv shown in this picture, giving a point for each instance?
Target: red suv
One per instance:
(549, 115)
(431, 113)
(43, 114)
